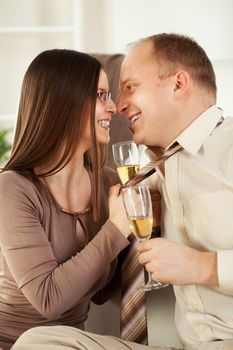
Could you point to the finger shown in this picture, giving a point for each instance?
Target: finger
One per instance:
(115, 190)
(146, 245)
(156, 273)
(159, 279)
(145, 258)
(151, 267)
(155, 194)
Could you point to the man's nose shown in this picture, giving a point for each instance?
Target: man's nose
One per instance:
(121, 104)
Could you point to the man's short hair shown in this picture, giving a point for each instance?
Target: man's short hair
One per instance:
(175, 51)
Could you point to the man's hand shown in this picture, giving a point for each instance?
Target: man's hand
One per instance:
(174, 263)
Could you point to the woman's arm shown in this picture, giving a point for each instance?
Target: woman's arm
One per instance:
(52, 288)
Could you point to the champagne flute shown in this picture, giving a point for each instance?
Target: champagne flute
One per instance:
(126, 158)
(138, 206)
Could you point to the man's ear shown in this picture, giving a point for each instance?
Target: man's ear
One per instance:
(181, 83)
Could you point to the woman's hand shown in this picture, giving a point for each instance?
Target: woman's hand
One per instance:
(156, 206)
(117, 212)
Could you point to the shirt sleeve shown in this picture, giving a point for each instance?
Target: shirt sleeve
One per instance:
(50, 287)
(224, 263)
(109, 290)
(225, 257)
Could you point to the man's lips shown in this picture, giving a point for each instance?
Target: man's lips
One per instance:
(134, 117)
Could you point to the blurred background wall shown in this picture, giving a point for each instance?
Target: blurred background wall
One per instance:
(106, 26)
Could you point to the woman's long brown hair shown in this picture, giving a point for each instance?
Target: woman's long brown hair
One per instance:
(58, 93)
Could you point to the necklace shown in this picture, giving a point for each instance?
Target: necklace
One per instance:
(71, 212)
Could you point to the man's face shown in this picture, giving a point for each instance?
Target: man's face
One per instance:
(145, 99)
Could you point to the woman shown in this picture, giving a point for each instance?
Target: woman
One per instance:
(59, 241)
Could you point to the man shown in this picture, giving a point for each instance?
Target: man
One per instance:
(168, 93)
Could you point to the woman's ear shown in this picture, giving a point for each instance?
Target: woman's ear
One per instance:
(181, 83)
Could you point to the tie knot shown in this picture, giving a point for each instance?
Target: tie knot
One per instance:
(157, 154)
(149, 168)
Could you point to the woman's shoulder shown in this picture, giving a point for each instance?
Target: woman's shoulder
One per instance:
(108, 170)
(10, 177)
(11, 181)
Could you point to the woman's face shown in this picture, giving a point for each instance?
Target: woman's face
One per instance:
(105, 107)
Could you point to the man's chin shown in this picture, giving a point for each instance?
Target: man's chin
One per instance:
(138, 139)
(141, 140)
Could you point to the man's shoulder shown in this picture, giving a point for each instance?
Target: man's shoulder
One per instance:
(226, 131)
(228, 123)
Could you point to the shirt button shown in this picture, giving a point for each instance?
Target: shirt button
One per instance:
(203, 329)
(195, 306)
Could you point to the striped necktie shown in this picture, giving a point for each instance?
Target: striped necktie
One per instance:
(133, 300)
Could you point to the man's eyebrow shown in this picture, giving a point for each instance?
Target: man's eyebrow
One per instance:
(127, 81)
(124, 82)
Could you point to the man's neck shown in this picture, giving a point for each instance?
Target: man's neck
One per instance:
(186, 115)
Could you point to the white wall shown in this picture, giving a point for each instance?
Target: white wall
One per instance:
(224, 76)
(106, 26)
(17, 49)
(210, 22)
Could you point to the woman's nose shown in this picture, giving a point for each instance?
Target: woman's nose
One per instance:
(111, 106)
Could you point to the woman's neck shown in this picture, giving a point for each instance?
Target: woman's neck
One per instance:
(71, 186)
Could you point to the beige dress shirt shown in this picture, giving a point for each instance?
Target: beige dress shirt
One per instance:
(197, 210)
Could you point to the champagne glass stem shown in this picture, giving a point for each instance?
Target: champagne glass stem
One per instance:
(152, 284)
(138, 205)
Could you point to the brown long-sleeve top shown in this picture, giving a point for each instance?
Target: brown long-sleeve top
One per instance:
(51, 263)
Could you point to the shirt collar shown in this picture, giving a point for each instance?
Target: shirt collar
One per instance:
(194, 136)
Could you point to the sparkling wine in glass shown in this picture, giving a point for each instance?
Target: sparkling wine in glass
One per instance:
(126, 158)
(138, 206)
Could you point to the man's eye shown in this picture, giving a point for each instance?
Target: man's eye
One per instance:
(130, 87)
